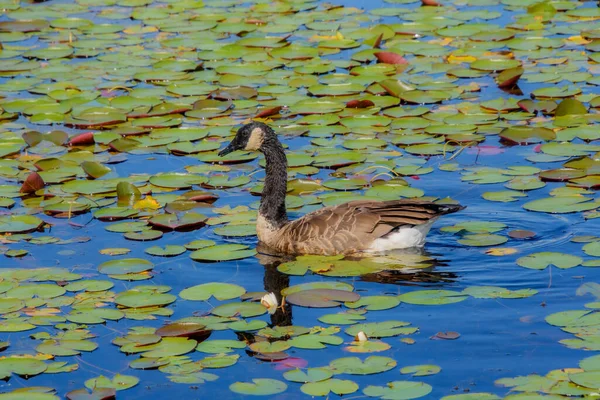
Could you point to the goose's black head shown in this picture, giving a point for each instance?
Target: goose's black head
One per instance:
(250, 137)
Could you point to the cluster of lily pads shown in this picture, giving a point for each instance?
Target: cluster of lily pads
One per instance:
(368, 104)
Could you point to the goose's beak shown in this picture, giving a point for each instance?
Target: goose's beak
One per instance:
(230, 148)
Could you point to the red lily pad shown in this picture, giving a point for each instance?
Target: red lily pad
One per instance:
(33, 183)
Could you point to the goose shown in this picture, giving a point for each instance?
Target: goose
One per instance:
(360, 226)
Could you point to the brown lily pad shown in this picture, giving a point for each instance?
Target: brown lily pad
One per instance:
(521, 234)
(450, 335)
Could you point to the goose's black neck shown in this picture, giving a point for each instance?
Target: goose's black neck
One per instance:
(272, 203)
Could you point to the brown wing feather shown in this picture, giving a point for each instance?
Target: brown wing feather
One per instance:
(353, 226)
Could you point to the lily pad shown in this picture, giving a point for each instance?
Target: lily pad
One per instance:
(544, 259)
(259, 387)
(218, 290)
(321, 298)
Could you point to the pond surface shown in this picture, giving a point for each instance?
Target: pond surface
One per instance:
(119, 223)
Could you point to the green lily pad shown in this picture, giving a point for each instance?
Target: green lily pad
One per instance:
(21, 366)
(168, 346)
(355, 366)
(332, 385)
(588, 379)
(167, 251)
(220, 346)
(19, 223)
(399, 390)
(125, 266)
(66, 347)
(314, 341)
(244, 310)
(310, 375)
(118, 382)
(592, 249)
(420, 370)
(218, 290)
(140, 298)
(561, 205)
(545, 259)
(317, 285)
(382, 329)
(321, 297)
(259, 387)
(373, 303)
(180, 221)
(482, 240)
(224, 252)
(432, 297)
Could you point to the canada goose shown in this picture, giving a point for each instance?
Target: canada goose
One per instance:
(353, 227)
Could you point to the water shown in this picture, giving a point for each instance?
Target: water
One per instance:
(499, 338)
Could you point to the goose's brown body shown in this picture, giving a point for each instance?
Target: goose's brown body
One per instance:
(344, 229)
(350, 227)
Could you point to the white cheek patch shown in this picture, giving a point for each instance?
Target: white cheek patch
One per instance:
(256, 139)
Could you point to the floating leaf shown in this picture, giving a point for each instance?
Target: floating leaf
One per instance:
(420, 370)
(382, 329)
(311, 375)
(125, 266)
(224, 252)
(544, 259)
(259, 387)
(220, 291)
(118, 382)
(432, 297)
(354, 365)
(321, 297)
(333, 385)
(399, 390)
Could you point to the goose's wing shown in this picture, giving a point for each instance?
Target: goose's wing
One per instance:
(353, 226)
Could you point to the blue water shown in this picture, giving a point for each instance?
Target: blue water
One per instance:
(499, 338)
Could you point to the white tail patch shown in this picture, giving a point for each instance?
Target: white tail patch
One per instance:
(403, 238)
